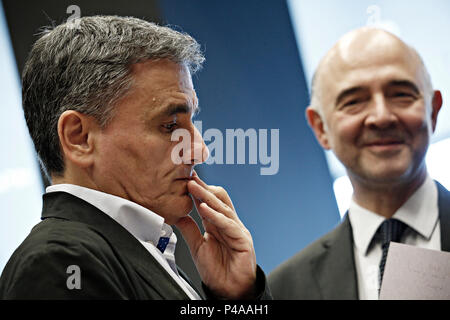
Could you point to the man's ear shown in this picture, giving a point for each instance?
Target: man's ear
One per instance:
(316, 123)
(436, 105)
(76, 136)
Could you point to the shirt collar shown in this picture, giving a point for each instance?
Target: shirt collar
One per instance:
(142, 223)
(364, 225)
(420, 212)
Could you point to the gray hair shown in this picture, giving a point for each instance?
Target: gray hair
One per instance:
(314, 99)
(86, 67)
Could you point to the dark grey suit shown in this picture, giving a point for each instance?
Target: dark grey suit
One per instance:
(113, 264)
(326, 269)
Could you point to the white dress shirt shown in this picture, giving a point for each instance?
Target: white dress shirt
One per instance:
(420, 213)
(142, 223)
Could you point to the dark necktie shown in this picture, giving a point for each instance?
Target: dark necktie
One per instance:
(162, 243)
(389, 230)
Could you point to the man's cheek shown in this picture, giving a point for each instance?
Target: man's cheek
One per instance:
(346, 134)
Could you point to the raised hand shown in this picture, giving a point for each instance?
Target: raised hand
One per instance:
(224, 254)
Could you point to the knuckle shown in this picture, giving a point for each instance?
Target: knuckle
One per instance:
(218, 190)
(226, 207)
(232, 224)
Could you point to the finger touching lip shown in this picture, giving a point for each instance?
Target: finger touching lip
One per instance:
(197, 179)
(196, 190)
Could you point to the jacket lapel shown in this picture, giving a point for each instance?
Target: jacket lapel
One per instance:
(334, 268)
(186, 278)
(444, 216)
(66, 206)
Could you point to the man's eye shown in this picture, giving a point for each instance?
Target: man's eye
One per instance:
(351, 102)
(402, 94)
(403, 97)
(170, 126)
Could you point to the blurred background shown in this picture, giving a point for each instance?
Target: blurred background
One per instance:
(261, 55)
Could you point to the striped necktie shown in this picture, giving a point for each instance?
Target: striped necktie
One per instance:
(389, 230)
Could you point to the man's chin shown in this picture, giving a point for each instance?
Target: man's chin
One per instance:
(180, 208)
(385, 177)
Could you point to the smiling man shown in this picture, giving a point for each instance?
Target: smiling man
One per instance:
(102, 101)
(373, 105)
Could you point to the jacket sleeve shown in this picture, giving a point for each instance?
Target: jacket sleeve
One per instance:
(262, 291)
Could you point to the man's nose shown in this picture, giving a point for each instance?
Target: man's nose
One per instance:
(200, 151)
(380, 114)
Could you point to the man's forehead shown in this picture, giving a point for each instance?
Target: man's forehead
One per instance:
(368, 50)
(161, 74)
(164, 85)
(365, 48)
(366, 42)
(177, 103)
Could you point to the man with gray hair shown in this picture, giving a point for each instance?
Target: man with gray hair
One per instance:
(101, 99)
(373, 105)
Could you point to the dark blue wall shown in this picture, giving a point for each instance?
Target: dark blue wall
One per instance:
(253, 78)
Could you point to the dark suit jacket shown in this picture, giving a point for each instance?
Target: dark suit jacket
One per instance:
(113, 263)
(326, 269)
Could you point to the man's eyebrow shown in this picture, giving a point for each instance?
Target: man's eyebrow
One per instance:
(174, 109)
(348, 92)
(404, 83)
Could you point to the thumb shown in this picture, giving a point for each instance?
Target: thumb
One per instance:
(191, 233)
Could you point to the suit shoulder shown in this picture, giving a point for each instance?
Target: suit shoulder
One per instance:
(53, 234)
(44, 257)
(300, 261)
(293, 279)
(303, 258)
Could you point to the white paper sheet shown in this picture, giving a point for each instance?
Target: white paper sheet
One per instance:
(416, 273)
